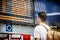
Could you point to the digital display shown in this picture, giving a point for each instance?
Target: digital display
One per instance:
(17, 12)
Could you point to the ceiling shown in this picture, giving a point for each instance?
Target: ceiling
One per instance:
(55, 1)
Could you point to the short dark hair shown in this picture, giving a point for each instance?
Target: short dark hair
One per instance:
(42, 16)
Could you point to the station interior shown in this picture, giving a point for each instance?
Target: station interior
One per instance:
(18, 18)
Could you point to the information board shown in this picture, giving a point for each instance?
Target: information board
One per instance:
(17, 12)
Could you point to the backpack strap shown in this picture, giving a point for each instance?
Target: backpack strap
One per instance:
(45, 28)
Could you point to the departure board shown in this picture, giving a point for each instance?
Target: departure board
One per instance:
(17, 12)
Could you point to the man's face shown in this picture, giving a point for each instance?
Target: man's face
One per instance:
(38, 20)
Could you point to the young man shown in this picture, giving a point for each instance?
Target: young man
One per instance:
(40, 32)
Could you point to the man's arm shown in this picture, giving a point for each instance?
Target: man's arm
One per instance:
(37, 39)
(37, 34)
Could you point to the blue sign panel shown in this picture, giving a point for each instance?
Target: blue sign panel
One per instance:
(9, 27)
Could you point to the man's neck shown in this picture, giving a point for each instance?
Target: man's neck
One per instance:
(41, 23)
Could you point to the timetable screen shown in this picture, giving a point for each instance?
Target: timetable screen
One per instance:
(17, 12)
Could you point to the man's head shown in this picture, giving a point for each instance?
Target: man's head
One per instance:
(41, 17)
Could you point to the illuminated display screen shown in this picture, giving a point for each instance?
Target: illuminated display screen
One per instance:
(17, 12)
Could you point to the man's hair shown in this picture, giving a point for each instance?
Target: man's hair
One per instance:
(42, 16)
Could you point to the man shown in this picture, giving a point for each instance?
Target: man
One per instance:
(40, 32)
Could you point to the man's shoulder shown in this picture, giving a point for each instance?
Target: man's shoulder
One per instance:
(47, 26)
(38, 27)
